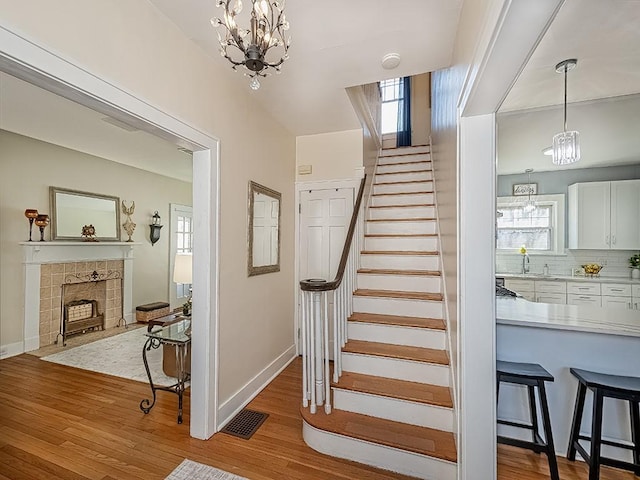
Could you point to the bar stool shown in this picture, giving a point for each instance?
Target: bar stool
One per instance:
(604, 385)
(532, 375)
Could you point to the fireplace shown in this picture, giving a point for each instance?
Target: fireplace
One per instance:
(60, 273)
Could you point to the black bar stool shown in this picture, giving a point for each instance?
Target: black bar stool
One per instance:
(604, 385)
(532, 375)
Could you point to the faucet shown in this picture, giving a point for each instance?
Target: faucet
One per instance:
(525, 263)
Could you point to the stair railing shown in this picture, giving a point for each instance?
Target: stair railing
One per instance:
(316, 382)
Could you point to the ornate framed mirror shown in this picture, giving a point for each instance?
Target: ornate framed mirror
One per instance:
(71, 210)
(264, 230)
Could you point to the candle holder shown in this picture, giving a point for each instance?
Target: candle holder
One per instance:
(31, 214)
(154, 227)
(42, 220)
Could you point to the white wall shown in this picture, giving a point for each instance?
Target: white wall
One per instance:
(332, 156)
(29, 167)
(136, 48)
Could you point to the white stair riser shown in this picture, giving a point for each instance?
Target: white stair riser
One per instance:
(413, 413)
(404, 176)
(416, 262)
(403, 187)
(401, 243)
(398, 306)
(406, 152)
(396, 368)
(400, 461)
(402, 283)
(403, 167)
(408, 199)
(397, 335)
(421, 226)
(403, 212)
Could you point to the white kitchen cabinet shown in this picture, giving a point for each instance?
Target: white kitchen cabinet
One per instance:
(604, 215)
(559, 298)
(590, 300)
(635, 297)
(523, 287)
(616, 289)
(583, 288)
(547, 286)
(616, 302)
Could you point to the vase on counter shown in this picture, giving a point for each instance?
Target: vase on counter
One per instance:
(635, 273)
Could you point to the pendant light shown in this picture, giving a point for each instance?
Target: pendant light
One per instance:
(529, 205)
(566, 144)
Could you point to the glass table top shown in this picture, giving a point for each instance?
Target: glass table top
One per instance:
(179, 332)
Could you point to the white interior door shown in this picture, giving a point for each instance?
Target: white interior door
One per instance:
(324, 221)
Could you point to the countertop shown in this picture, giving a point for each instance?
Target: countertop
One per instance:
(568, 278)
(521, 312)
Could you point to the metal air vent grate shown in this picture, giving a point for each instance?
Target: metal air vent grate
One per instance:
(245, 423)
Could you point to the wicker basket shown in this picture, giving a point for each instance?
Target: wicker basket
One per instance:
(151, 311)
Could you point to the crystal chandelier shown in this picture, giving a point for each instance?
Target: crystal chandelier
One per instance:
(566, 145)
(267, 27)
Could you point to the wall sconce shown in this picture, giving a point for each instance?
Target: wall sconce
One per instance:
(155, 227)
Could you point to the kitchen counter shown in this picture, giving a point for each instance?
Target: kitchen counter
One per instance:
(568, 278)
(521, 312)
(559, 337)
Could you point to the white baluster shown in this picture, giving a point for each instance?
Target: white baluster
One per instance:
(327, 382)
(305, 385)
(317, 346)
(336, 335)
(312, 356)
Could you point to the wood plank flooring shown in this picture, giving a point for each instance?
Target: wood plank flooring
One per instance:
(58, 422)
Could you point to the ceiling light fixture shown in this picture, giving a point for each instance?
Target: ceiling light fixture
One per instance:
(566, 145)
(390, 61)
(530, 205)
(267, 27)
(547, 151)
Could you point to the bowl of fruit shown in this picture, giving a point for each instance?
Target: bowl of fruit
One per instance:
(592, 269)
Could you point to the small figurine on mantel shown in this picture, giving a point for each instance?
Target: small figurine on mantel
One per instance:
(129, 226)
(89, 233)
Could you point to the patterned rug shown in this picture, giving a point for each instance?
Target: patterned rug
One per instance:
(119, 355)
(189, 470)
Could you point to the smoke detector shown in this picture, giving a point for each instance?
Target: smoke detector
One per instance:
(390, 61)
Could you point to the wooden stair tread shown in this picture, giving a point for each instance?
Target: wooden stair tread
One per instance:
(399, 252)
(398, 320)
(416, 219)
(393, 388)
(363, 292)
(401, 193)
(391, 235)
(404, 206)
(403, 163)
(402, 183)
(426, 170)
(402, 352)
(421, 440)
(390, 271)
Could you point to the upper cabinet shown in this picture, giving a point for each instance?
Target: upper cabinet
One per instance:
(605, 215)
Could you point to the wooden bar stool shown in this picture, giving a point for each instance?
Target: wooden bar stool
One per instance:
(604, 385)
(532, 375)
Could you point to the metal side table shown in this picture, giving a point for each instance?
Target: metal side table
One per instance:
(178, 334)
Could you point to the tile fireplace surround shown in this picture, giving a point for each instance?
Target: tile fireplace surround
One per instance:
(47, 265)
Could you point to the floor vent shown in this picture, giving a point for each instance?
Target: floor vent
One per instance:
(245, 423)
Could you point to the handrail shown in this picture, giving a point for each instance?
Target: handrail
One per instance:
(316, 285)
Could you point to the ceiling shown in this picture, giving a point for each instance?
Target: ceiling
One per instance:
(605, 38)
(335, 44)
(37, 113)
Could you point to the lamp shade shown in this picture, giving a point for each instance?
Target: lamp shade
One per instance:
(182, 270)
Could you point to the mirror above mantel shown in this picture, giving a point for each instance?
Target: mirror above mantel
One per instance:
(71, 210)
(264, 230)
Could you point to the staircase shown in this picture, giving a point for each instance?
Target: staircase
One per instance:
(393, 407)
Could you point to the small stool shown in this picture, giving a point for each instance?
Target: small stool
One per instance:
(532, 375)
(612, 386)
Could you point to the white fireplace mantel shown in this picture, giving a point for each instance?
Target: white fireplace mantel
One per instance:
(37, 253)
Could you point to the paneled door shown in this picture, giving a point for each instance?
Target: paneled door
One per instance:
(324, 222)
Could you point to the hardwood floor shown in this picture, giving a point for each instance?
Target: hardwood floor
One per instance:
(58, 422)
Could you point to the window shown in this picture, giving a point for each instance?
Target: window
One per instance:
(390, 93)
(181, 242)
(540, 230)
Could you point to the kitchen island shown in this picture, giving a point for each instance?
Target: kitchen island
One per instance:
(559, 337)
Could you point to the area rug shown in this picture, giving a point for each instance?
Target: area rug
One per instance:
(120, 356)
(189, 470)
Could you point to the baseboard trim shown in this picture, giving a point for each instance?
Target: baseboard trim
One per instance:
(229, 408)
(11, 350)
